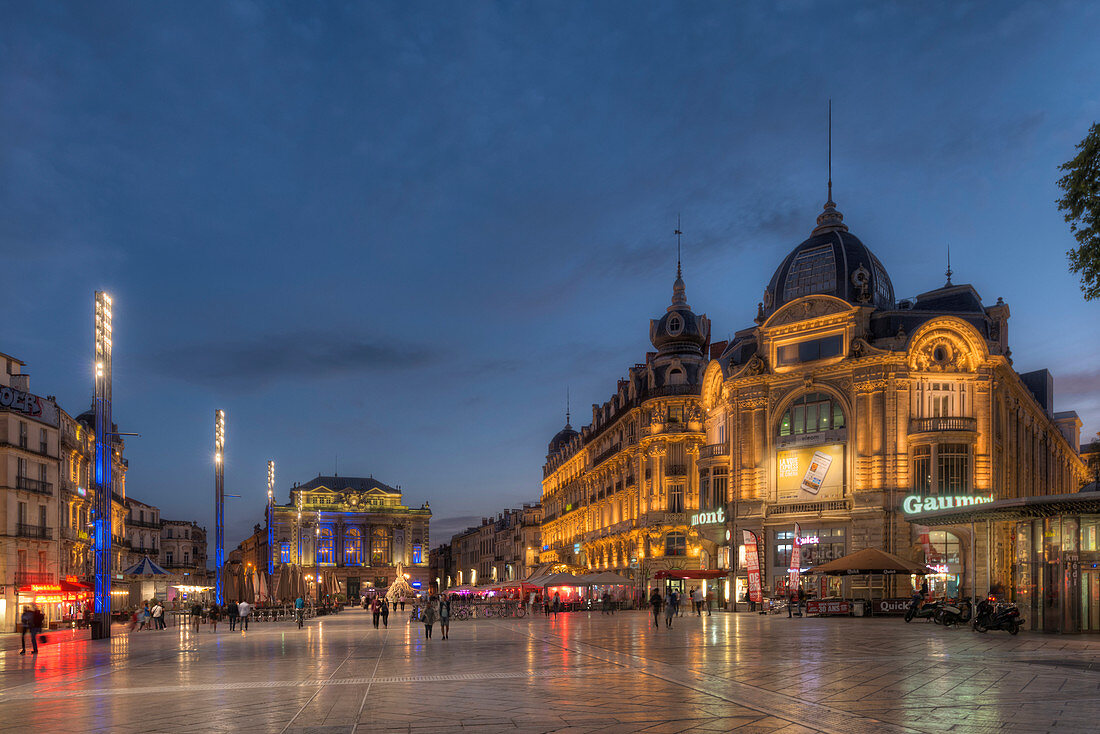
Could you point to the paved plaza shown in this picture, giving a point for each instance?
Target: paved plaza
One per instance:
(583, 672)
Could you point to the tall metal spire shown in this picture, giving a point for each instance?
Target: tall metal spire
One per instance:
(950, 272)
(678, 233)
(830, 220)
(567, 406)
(679, 296)
(830, 151)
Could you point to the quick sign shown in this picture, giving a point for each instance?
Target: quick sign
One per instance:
(709, 518)
(915, 504)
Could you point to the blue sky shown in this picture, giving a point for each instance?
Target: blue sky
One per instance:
(394, 233)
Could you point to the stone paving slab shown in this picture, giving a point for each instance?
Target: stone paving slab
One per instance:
(579, 673)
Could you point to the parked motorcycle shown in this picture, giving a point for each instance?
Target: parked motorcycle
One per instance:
(916, 611)
(953, 613)
(993, 616)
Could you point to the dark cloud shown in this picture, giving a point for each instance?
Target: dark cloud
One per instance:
(258, 360)
(444, 527)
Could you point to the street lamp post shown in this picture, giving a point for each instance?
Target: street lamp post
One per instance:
(270, 517)
(219, 503)
(101, 527)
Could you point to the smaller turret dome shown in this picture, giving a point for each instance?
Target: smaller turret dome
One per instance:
(561, 439)
(680, 330)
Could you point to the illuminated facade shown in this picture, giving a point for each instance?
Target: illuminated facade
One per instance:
(848, 412)
(355, 526)
(505, 548)
(183, 549)
(621, 494)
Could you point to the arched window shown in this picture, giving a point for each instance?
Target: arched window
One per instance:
(284, 553)
(812, 413)
(353, 547)
(380, 546)
(326, 547)
(675, 544)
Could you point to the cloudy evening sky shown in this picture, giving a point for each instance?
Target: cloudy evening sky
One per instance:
(394, 233)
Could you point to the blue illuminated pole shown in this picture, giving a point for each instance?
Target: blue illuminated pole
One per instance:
(219, 504)
(101, 525)
(270, 518)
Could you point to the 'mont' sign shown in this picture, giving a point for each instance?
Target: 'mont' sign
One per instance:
(709, 518)
(916, 504)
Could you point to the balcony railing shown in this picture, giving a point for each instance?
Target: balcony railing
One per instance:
(942, 423)
(25, 578)
(33, 531)
(714, 449)
(130, 522)
(604, 456)
(33, 485)
(676, 470)
(143, 551)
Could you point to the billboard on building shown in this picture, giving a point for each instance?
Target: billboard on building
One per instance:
(811, 473)
(28, 405)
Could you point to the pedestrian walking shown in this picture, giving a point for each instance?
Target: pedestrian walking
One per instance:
(445, 616)
(655, 602)
(555, 606)
(27, 627)
(215, 615)
(431, 613)
(606, 601)
(707, 600)
(145, 617)
(243, 610)
(158, 616)
(402, 602)
(384, 610)
(792, 599)
(697, 601)
(670, 608)
(196, 616)
(232, 615)
(375, 611)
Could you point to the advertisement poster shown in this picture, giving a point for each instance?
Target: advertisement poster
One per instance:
(752, 561)
(795, 568)
(814, 473)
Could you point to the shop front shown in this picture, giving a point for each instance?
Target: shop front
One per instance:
(1054, 542)
(818, 544)
(62, 603)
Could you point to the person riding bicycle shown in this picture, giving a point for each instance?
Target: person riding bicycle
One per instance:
(300, 610)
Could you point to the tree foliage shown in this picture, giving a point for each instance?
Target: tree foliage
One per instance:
(1081, 205)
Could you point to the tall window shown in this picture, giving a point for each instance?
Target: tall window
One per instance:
(810, 350)
(380, 546)
(326, 547)
(417, 553)
(676, 498)
(675, 544)
(941, 399)
(922, 469)
(353, 547)
(952, 468)
(811, 413)
(43, 443)
(284, 553)
(718, 486)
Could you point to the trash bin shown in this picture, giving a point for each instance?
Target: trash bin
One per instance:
(857, 608)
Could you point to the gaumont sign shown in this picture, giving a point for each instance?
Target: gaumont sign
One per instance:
(915, 504)
(709, 518)
(28, 404)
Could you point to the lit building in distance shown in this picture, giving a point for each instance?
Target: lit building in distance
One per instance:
(504, 548)
(851, 412)
(355, 526)
(620, 494)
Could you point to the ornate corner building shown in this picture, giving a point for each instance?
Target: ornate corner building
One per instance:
(621, 493)
(851, 413)
(356, 526)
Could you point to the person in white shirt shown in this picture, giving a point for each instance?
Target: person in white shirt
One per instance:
(697, 599)
(243, 610)
(158, 616)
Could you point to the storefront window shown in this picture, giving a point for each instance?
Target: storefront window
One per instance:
(943, 552)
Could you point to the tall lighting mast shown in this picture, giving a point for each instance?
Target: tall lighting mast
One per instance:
(219, 503)
(270, 517)
(101, 527)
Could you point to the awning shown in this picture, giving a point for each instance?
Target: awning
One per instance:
(606, 578)
(870, 560)
(145, 567)
(64, 591)
(684, 574)
(1018, 508)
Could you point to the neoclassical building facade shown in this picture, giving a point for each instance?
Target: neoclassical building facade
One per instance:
(621, 493)
(356, 526)
(851, 412)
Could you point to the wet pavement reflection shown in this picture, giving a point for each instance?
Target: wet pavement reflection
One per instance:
(582, 672)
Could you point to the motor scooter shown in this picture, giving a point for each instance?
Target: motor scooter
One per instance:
(955, 612)
(993, 616)
(916, 611)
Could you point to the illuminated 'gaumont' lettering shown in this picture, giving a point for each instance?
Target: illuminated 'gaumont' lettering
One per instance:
(914, 504)
(708, 518)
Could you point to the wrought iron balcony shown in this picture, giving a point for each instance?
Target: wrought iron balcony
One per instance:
(676, 470)
(33, 531)
(942, 423)
(25, 578)
(33, 485)
(714, 449)
(130, 522)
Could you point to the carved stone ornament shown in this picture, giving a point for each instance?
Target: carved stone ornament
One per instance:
(942, 350)
(754, 367)
(807, 309)
(861, 279)
(695, 413)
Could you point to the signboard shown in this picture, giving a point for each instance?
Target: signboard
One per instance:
(810, 473)
(796, 560)
(28, 405)
(916, 504)
(829, 606)
(890, 606)
(709, 518)
(752, 558)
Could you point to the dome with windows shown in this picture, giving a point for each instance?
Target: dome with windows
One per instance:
(833, 262)
(680, 329)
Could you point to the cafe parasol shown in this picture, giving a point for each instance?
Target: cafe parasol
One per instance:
(870, 560)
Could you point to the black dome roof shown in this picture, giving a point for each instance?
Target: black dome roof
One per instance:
(680, 329)
(561, 439)
(833, 261)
